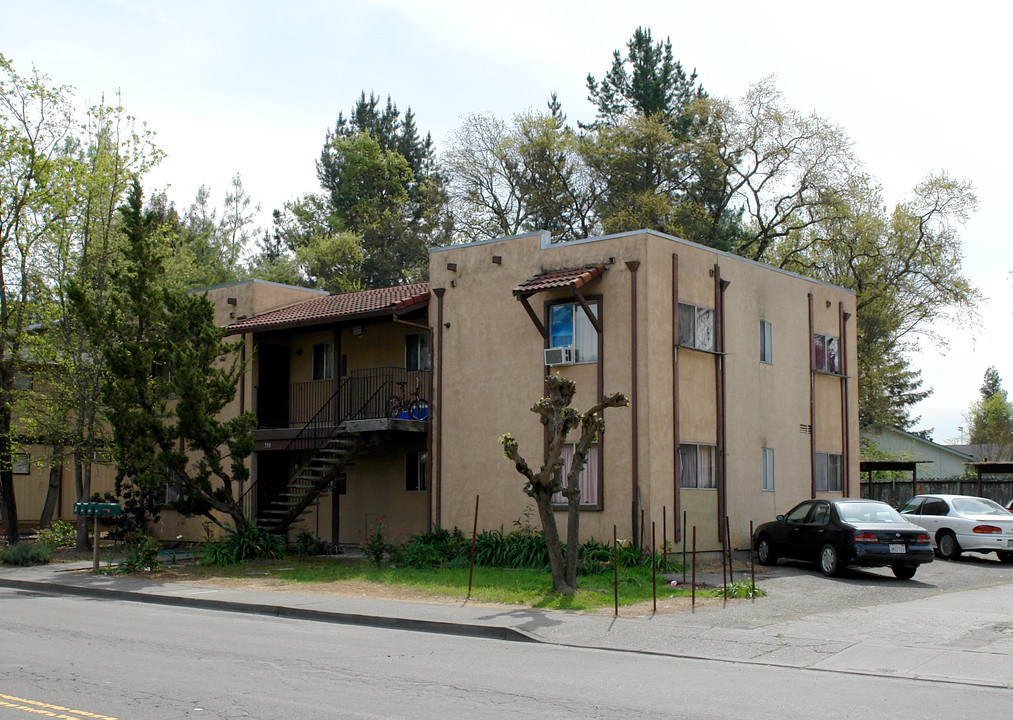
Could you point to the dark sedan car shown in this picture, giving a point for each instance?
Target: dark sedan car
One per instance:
(841, 532)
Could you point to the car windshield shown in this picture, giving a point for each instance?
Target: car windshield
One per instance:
(977, 506)
(868, 512)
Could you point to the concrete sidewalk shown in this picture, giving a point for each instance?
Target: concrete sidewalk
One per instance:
(962, 637)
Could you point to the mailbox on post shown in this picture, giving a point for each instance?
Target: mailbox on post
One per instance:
(96, 510)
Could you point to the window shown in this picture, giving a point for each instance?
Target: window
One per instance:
(22, 464)
(102, 457)
(569, 327)
(767, 469)
(416, 351)
(827, 352)
(820, 514)
(766, 342)
(696, 327)
(829, 472)
(912, 506)
(323, 361)
(696, 466)
(415, 472)
(588, 479)
(22, 380)
(798, 514)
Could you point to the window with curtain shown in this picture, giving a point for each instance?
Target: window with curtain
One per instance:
(696, 466)
(696, 327)
(587, 481)
(570, 326)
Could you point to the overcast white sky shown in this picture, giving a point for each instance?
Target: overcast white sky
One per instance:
(251, 86)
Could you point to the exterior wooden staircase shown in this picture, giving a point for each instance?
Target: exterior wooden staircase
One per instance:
(309, 481)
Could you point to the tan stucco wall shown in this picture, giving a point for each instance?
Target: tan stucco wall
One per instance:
(493, 373)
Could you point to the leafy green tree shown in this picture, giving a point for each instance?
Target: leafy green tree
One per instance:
(112, 149)
(647, 83)
(382, 184)
(527, 176)
(992, 384)
(991, 424)
(35, 197)
(170, 375)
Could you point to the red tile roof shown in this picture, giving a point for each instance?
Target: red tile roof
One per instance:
(557, 279)
(348, 306)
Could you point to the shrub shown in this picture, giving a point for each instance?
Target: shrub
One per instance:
(740, 589)
(27, 553)
(59, 534)
(248, 542)
(140, 554)
(375, 546)
(307, 545)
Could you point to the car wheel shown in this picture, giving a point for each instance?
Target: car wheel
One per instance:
(1005, 557)
(949, 548)
(829, 562)
(765, 552)
(904, 572)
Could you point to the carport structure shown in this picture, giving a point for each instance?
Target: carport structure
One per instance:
(990, 468)
(910, 466)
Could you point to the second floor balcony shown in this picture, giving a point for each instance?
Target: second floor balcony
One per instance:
(320, 406)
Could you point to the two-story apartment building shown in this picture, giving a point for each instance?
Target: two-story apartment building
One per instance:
(741, 379)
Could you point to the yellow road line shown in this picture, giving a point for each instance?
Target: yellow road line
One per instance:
(41, 708)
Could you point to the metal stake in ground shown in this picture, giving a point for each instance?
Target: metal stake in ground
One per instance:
(693, 606)
(724, 566)
(684, 547)
(615, 568)
(474, 532)
(728, 536)
(654, 571)
(752, 565)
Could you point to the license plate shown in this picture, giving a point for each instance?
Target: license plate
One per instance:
(1009, 543)
(897, 549)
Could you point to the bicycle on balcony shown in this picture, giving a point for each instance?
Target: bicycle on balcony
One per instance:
(412, 405)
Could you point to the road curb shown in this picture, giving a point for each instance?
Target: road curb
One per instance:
(489, 632)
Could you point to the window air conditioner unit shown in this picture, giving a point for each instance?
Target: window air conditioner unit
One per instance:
(559, 356)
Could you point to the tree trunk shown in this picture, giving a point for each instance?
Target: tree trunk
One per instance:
(543, 499)
(8, 503)
(55, 482)
(82, 486)
(572, 537)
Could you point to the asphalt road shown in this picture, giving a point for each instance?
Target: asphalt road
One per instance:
(84, 658)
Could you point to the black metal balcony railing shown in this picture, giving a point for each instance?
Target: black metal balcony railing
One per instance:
(362, 395)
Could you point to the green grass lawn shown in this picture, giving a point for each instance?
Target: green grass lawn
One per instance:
(501, 585)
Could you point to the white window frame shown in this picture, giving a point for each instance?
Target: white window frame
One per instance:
(700, 468)
(829, 472)
(767, 469)
(766, 342)
(583, 338)
(323, 361)
(694, 322)
(589, 480)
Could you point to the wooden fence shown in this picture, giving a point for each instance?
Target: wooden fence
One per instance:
(899, 491)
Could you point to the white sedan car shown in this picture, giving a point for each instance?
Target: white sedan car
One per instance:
(959, 523)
